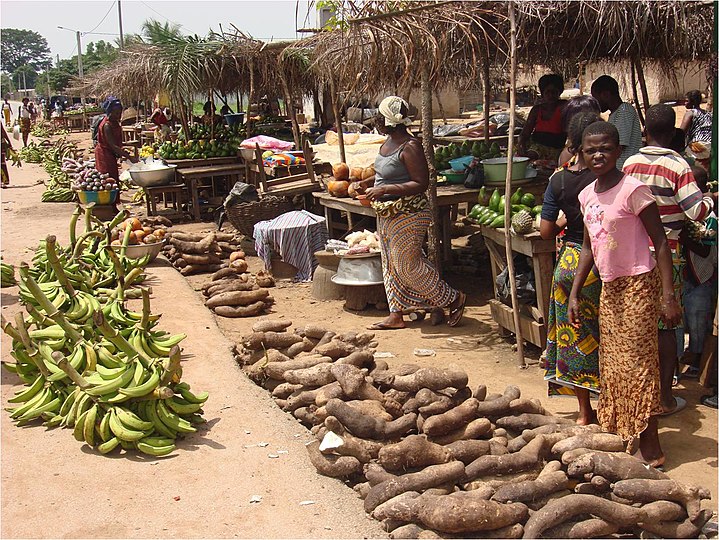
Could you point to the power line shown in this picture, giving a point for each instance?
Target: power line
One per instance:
(101, 20)
(160, 14)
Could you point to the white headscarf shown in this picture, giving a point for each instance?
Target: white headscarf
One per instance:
(390, 109)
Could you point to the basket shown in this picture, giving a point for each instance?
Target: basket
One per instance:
(98, 197)
(244, 216)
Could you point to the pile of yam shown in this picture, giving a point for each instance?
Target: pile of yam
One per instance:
(231, 293)
(433, 459)
(194, 253)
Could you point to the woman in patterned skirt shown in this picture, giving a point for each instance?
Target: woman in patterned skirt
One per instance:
(621, 218)
(572, 354)
(397, 191)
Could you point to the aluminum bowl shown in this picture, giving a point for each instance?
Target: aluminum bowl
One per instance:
(359, 271)
(153, 177)
(138, 251)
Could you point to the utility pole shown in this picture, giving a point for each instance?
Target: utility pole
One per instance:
(119, 14)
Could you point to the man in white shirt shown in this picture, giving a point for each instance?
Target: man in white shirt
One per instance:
(25, 116)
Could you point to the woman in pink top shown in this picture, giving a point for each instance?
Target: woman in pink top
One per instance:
(620, 219)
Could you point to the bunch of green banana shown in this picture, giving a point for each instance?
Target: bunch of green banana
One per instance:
(7, 275)
(59, 194)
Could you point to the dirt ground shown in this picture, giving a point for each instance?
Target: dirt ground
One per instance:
(54, 487)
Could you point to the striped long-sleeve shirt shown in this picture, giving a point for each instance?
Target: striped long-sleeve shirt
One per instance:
(673, 185)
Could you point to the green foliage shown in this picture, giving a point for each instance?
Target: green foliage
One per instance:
(23, 48)
(6, 84)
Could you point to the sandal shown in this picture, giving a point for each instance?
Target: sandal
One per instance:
(710, 401)
(383, 326)
(455, 315)
(680, 404)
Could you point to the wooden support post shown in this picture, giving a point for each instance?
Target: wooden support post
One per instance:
(290, 109)
(441, 107)
(642, 82)
(338, 120)
(637, 105)
(508, 182)
(487, 95)
(434, 251)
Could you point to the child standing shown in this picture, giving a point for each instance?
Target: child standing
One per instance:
(621, 217)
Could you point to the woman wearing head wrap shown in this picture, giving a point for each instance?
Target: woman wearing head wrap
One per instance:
(397, 191)
(109, 140)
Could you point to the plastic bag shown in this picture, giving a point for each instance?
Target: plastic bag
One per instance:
(524, 279)
(241, 193)
(16, 132)
(475, 175)
(266, 143)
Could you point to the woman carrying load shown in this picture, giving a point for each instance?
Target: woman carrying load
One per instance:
(397, 191)
(109, 140)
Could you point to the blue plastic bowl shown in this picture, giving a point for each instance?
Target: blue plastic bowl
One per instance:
(236, 118)
(461, 163)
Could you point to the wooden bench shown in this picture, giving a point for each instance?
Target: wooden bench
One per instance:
(288, 186)
(129, 139)
(194, 176)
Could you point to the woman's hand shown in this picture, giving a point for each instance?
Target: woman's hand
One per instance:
(670, 312)
(573, 310)
(376, 192)
(358, 187)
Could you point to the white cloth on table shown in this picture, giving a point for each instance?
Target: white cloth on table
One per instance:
(295, 236)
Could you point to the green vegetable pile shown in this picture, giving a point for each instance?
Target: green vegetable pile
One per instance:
(490, 209)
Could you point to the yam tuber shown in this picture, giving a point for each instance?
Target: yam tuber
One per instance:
(561, 510)
(606, 442)
(312, 331)
(328, 392)
(276, 370)
(296, 348)
(431, 476)
(529, 420)
(271, 325)
(367, 427)
(467, 451)
(360, 359)
(496, 408)
(646, 491)
(528, 458)
(588, 528)
(432, 378)
(318, 375)
(239, 298)
(406, 532)
(361, 449)
(206, 258)
(270, 340)
(335, 467)
(241, 311)
(461, 512)
(198, 248)
(335, 349)
(375, 474)
(477, 428)
(524, 405)
(199, 269)
(221, 273)
(284, 390)
(531, 490)
(613, 466)
(392, 506)
(414, 451)
(444, 423)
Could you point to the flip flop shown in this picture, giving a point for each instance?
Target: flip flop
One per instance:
(710, 401)
(681, 403)
(455, 315)
(383, 326)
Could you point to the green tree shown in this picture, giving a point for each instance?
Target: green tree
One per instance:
(6, 84)
(20, 48)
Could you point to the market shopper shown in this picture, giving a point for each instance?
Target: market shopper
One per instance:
(621, 218)
(576, 105)
(160, 118)
(6, 112)
(679, 198)
(697, 126)
(397, 191)
(109, 140)
(572, 353)
(25, 116)
(5, 149)
(622, 115)
(544, 134)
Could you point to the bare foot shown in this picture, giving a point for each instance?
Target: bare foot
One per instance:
(657, 462)
(395, 321)
(585, 420)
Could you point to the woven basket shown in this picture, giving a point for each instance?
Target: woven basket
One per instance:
(244, 216)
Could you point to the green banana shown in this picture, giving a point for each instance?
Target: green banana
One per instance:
(109, 445)
(121, 431)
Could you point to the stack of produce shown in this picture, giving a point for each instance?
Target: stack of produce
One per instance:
(91, 364)
(138, 232)
(199, 253)
(147, 151)
(51, 155)
(343, 177)
(226, 134)
(433, 459)
(7, 275)
(234, 292)
(85, 177)
(490, 210)
(480, 150)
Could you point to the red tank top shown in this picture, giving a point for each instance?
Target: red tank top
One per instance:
(553, 125)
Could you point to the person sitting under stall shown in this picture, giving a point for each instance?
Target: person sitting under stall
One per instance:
(544, 134)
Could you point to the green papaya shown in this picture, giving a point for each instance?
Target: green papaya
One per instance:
(525, 208)
(494, 200)
(483, 148)
(466, 148)
(483, 197)
(501, 204)
(476, 149)
(497, 222)
(528, 199)
(489, 217)
(476, 209)
(517, 196)
(456, 152)
(537, 210)
(516, 208)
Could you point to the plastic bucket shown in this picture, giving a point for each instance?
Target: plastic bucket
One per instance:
(98, 197)
(495, 169)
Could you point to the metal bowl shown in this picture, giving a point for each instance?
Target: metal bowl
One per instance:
(153, 177)
(138, 251)
(357, 272)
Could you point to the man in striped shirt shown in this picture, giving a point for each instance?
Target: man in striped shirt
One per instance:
(679, 198)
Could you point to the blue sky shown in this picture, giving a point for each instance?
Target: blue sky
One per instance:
(261, 19)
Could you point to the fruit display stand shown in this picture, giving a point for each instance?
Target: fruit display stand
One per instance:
(534, 324)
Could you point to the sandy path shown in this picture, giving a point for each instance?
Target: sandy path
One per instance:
(52, 487)
(214, 474)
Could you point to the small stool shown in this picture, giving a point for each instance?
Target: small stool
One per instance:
(322, 286)
(359, 297)
(172, 192)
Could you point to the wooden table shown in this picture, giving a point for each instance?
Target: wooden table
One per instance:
(174, 193)
(534, 326)
(193, 176)
(189, 163)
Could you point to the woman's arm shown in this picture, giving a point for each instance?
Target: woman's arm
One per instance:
(687, 121)
(112, 143)
(413, 158)
(671, 314)
(548, 230)
(586, 262)
(527, 130)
